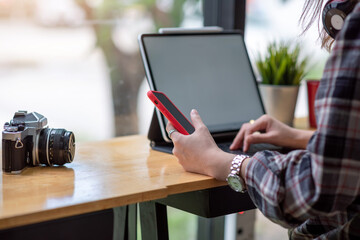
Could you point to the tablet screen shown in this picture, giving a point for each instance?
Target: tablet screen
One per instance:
(208, 72)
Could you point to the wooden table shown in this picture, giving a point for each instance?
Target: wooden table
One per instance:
(103, 175)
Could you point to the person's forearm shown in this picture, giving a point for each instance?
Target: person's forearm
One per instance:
(300, 138)
(219, 165)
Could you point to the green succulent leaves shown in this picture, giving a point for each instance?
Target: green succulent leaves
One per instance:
(282, 64)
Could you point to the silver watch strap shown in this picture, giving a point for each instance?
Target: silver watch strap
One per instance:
(236, 164)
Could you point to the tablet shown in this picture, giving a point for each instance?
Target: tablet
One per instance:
(210, 72)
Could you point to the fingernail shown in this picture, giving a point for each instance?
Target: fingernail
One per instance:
(193, 111)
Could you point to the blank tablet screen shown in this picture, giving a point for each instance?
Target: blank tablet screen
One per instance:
(209, 72)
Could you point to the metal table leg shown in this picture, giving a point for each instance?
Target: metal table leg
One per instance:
(153, 218)
(125, 225)
(211, 228)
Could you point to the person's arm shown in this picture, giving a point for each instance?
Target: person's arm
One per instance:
(324, 179)
(320, 181)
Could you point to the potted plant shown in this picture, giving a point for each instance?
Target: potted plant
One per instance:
(281, 71)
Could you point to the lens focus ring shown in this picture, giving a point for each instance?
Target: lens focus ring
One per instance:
(56, 146)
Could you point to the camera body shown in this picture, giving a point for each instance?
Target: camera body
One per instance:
(27, 141)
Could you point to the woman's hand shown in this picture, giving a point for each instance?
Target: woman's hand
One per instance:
(275, 132)
(198, 152)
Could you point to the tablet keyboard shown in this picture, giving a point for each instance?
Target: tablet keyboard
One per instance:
(252, 150)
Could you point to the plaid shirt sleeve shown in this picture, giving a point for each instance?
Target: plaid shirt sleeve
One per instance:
(323, 181)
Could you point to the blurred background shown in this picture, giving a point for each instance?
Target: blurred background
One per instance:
(77, 62)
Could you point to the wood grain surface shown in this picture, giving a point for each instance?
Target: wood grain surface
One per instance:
(103, 175)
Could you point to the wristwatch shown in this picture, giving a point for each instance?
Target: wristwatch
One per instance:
(234, 180)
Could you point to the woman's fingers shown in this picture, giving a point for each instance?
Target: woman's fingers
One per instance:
(238, 140)
(249, 129)
(196, 119)
(173, 135)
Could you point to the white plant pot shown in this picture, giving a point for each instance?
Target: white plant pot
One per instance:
(280, 101)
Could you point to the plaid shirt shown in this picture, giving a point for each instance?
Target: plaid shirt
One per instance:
(316, 192)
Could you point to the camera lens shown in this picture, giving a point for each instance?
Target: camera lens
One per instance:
(56, 146)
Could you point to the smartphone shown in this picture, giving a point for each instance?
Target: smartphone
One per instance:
(171, 112)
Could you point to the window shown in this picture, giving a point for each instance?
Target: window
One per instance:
(278, 20)
(77, 62)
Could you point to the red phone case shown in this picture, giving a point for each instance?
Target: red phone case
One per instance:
(166, 113)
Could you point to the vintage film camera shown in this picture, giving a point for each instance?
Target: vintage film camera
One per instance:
(27, 141)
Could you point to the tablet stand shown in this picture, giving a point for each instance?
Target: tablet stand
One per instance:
(157, 142)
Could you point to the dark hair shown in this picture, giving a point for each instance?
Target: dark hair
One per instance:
(311, 12)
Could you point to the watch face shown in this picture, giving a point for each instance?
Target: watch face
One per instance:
(235, 183)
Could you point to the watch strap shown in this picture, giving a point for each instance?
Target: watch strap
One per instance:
(235, 169)
(237, 163)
